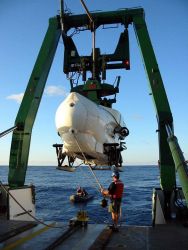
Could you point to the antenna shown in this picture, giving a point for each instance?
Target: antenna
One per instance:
(61, 7)
(61, 12)
(93, 37)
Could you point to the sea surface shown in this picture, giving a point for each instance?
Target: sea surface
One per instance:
(54, 187)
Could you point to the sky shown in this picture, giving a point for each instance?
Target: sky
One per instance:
(23, 24)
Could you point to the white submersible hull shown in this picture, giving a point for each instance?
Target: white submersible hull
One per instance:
(85, 127)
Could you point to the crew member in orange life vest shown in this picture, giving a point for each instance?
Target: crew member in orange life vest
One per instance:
(115, 191)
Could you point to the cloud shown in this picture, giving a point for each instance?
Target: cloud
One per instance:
(53, 90)
(16, 97)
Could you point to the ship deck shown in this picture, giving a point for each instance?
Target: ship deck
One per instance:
(30, 235)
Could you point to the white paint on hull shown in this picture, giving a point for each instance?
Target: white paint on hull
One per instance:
(79, 121)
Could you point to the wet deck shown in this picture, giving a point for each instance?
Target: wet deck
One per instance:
(29, 235)
(149, 238)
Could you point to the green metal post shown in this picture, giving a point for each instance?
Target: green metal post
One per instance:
(26, 115)
(179, 160)
(164, 116)
(181, 166)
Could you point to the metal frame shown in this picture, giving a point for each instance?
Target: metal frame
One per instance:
(28, 109)
(33, 94)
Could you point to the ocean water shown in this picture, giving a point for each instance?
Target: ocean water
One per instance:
(54, 187)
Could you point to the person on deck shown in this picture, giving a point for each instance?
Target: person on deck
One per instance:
(115, 191)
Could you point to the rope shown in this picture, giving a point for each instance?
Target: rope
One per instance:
(89, 179)
(97, 181)
(103, 218)
(27, 212)
(89, 165)
(8, 131)
(85, 160)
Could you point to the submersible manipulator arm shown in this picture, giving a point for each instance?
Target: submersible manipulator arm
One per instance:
(73, 62)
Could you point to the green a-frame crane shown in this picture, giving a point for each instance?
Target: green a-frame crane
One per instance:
(170, 155)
